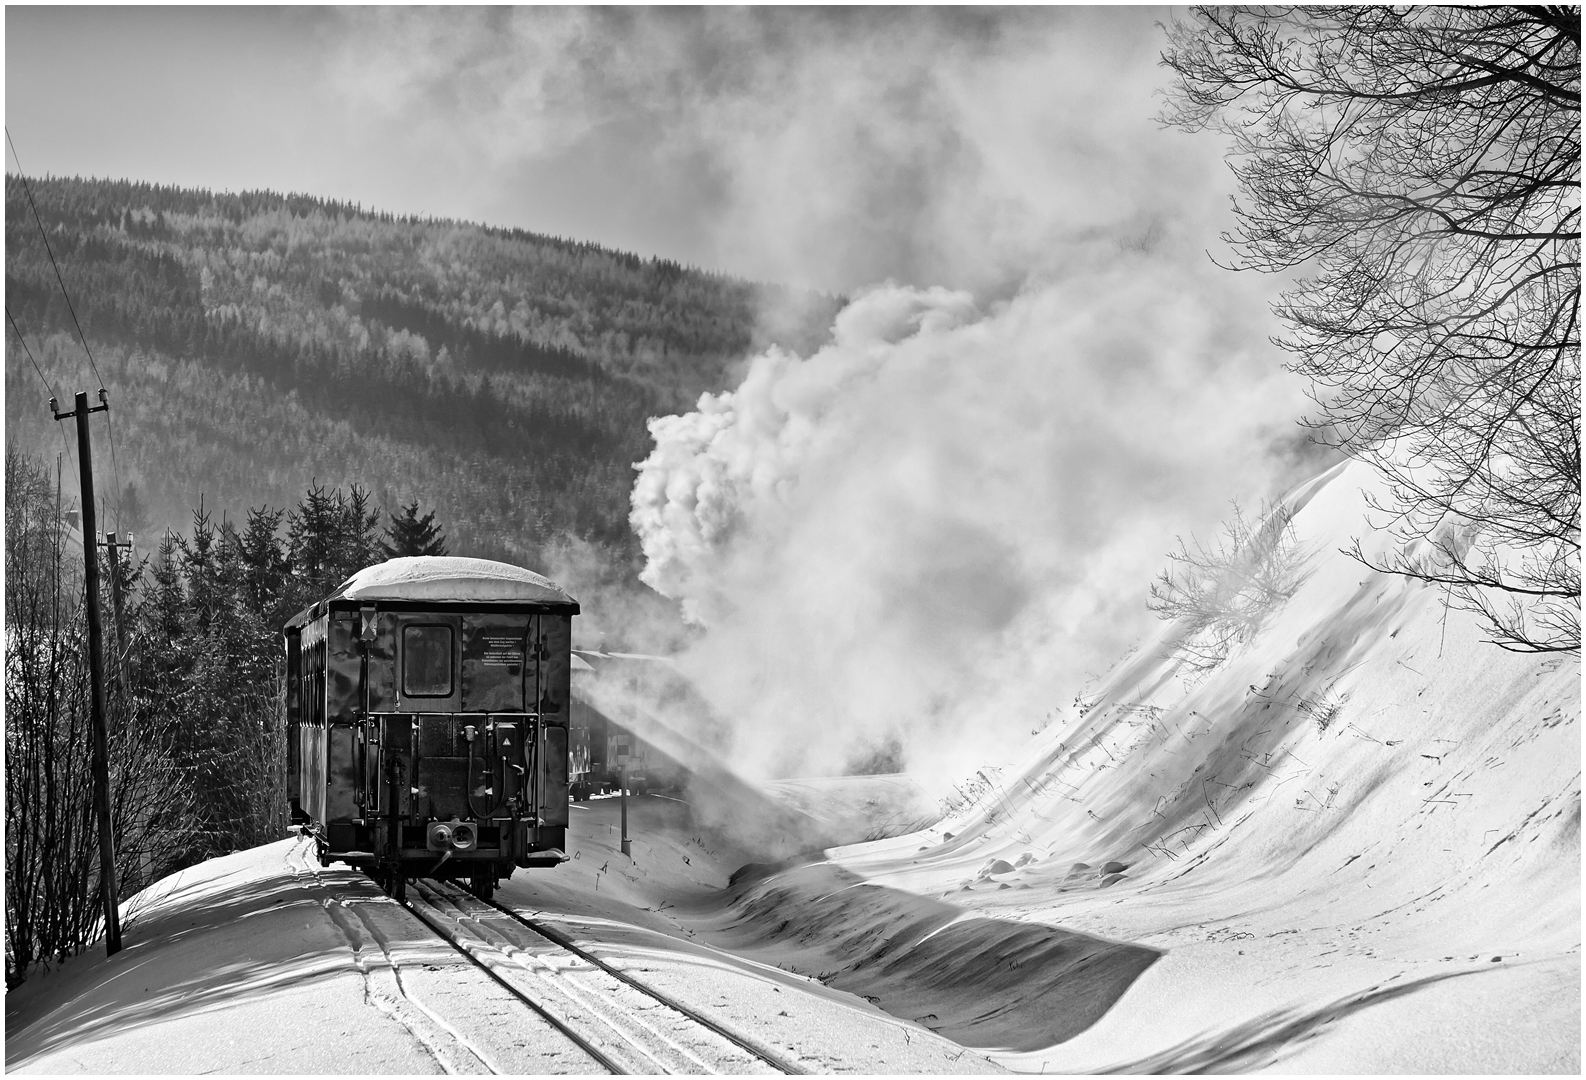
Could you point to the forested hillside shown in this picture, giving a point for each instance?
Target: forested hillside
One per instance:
(256, 343)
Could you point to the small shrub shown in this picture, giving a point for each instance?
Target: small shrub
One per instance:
(1223, 594)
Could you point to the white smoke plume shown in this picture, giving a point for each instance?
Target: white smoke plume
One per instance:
(931, 529)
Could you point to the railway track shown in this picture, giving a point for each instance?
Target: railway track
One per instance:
(625, 1025)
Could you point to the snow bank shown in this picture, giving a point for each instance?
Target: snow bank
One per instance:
(981, 982)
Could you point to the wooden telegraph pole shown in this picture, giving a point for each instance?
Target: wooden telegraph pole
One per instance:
(114, 546)
(622, 780)
(622, 787)
(107, 849)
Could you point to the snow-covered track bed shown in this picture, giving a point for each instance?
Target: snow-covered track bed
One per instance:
(410, 980)
(625, 1025)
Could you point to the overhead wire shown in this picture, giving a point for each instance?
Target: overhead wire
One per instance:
(48, 389)
(115, 470)
(27, 189)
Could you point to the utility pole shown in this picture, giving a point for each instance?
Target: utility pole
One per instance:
(123, 684)
(115, 605)
(622, 779)
(96, 662)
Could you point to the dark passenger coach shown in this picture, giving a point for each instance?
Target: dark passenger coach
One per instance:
(427, 710)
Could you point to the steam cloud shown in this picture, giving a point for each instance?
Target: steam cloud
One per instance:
(927, 532)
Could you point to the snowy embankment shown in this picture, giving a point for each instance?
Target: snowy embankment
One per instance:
(1357, 842)
(1352, 847)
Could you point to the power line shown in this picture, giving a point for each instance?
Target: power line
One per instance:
(115, 470)
(28, 190)
(48, 389)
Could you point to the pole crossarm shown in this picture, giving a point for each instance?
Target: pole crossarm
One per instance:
(82, 408)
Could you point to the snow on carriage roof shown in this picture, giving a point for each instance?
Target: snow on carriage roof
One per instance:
(448, 577)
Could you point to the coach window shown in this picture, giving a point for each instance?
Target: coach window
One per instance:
(427, 661)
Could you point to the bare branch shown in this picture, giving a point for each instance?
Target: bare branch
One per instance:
(1423, 165)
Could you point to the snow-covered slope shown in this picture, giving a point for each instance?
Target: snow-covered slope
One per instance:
(1366, 825)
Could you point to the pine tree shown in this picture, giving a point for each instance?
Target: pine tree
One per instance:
(413, 535)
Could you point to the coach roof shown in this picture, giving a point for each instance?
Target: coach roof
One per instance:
(445, 579)
(448, 577)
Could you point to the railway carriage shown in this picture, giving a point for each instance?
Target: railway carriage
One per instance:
(427, 714)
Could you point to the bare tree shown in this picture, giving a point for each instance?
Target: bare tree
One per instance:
(1223, 593)
(1421, 168)
(51, 846)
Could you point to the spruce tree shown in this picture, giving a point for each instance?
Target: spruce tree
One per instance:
(413, 535)
(264, 564)
(360, 545)
(312, 540)
(330, 537)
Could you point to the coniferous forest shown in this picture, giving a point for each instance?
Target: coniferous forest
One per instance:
(298, 388)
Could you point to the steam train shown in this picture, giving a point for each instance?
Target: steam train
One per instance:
(427, 713)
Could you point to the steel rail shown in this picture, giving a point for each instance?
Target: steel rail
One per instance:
(562, 941)
(560, 1025)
